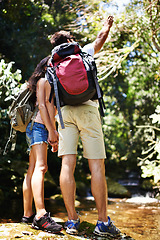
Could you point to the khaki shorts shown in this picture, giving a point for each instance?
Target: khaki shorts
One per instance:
(84, 121)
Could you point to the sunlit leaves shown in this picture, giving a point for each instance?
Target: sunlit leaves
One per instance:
(9, 81)
(150, 165)
(156, 116)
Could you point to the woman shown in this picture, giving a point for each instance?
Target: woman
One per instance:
(43, 131)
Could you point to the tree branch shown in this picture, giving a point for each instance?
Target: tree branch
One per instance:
(148, 126)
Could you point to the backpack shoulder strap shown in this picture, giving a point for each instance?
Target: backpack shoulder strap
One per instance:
(99, 93)
(51, 73)
(34, 115)
(12, 139)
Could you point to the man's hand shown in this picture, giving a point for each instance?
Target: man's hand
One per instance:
(103, 34)
(109, 22)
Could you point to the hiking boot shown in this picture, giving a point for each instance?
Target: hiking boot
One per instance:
(72, 226)
(109, 229)
(27, 220)
(47, 224)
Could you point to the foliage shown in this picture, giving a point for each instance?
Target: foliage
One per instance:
(25, 26)
(9, 85)
(150, 165)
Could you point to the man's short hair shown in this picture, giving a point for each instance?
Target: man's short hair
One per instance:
(60, 37)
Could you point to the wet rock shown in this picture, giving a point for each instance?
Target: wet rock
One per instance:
(23, 231)
(57, 198)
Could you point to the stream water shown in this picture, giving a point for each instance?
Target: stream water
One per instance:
(141, 221)
(138, 217)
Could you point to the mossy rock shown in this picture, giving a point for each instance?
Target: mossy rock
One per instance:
(86, 228)
(117, 190)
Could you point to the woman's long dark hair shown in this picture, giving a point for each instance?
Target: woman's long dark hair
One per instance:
(38, 73)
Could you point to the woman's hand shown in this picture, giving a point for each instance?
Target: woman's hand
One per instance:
(53, 140)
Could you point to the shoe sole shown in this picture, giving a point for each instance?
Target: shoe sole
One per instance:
(106, 234)
(72, 231)
(45, 230)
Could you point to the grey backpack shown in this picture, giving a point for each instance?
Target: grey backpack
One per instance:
(21, 111)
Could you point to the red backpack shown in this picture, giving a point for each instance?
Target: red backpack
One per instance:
(72, 75)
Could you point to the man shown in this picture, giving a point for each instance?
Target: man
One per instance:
(84, 121)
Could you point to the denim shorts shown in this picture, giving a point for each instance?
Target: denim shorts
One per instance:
(37, 135)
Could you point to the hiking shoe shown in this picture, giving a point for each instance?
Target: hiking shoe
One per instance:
(47, 224)
(109, 229)
(27, 220)
(72, 226)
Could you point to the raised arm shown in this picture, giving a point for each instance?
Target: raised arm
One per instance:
(103, 34)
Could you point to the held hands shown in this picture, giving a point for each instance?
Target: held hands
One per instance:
(53, 139)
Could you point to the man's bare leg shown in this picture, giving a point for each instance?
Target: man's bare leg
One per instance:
(99, 187)
(68, 185)
(40, 154)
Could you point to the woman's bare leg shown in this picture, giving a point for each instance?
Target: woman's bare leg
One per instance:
(27, 188)
(37, 182)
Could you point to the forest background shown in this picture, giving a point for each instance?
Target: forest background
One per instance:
(128, 71)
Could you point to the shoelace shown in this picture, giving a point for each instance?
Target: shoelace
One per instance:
(73, 223)
(49, 219)
(112, 226)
